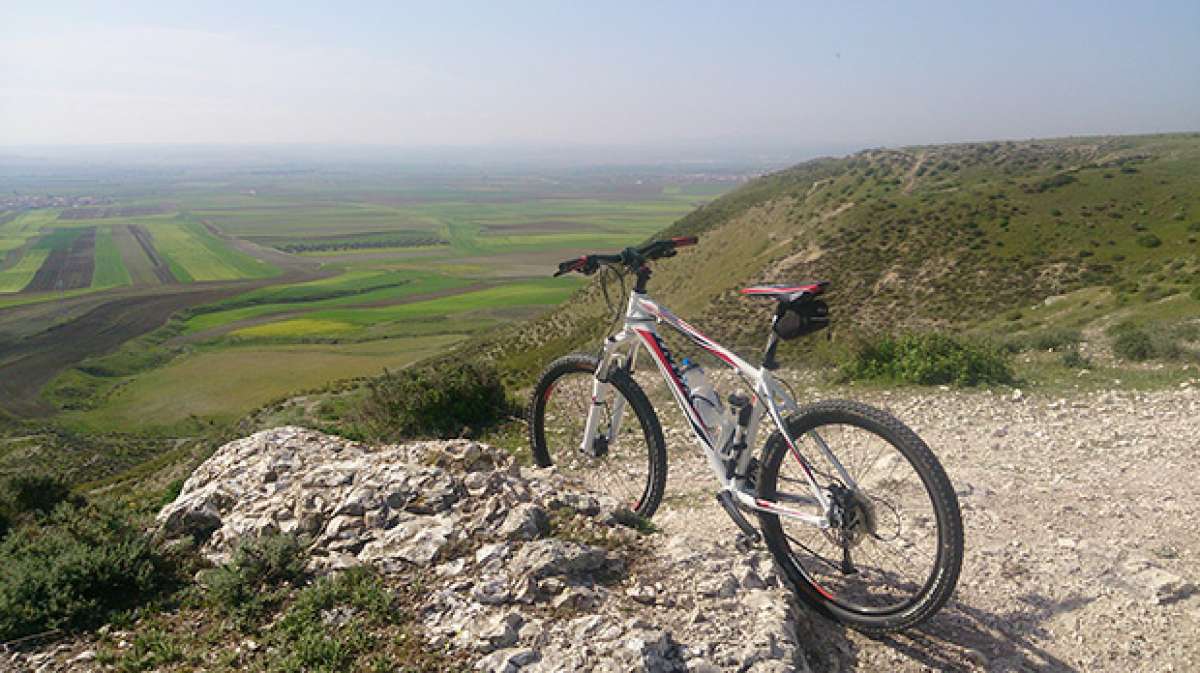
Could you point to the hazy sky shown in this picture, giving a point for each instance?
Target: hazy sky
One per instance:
(764, 74)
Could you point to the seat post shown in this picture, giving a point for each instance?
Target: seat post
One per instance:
(768, 361)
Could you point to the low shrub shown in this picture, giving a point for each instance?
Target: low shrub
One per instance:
(444, 400)
(1149, 241)
(246, 586)
(24, 498)
(36, 493)
(927, 359)
(1045, 340)
(76, 568)
(152, 649)
(1073, 359)
(1133, 343)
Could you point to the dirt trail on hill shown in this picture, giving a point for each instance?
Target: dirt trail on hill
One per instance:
(1082, 549)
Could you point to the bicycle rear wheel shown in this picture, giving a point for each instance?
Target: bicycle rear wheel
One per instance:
(630, 466)
(893, 558)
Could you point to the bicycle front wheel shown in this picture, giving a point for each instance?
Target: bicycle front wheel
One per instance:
(892, 557)
(630, 465)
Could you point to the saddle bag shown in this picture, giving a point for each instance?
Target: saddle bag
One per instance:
(799, 318)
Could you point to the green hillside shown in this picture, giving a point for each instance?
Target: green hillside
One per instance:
(965, 237)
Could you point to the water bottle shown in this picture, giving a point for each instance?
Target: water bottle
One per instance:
(719, 423)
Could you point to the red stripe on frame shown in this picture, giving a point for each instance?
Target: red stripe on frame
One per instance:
(653, 344)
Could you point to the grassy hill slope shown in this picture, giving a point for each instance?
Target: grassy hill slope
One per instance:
(952, 236)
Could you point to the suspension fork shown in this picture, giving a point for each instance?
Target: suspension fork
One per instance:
(600, 392)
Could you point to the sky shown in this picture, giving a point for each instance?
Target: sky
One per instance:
(764, 74)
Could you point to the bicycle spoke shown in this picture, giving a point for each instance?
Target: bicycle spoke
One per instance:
(888, 573)
(623, 470)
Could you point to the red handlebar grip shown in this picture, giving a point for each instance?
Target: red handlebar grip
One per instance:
(681, 241)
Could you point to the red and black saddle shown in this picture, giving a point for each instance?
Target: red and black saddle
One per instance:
(798, 312)
(788, 293)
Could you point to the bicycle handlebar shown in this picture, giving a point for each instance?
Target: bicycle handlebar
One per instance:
(633, 258)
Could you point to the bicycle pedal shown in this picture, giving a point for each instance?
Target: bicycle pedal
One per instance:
(744, 543)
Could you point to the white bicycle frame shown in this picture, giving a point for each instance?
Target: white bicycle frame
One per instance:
(642, 316)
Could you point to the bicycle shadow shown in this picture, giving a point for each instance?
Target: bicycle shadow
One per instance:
(1006, 641)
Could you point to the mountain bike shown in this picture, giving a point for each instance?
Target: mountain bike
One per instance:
(857, 512)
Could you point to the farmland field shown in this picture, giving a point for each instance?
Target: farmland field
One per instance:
(224, 384)
(202, 298)
(110, 269)
(15, 278)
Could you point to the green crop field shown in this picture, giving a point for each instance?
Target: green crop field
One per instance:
(531, 294)
(352, 289)
(353, 265)
(110, 270)
(223, 384)
(18, 276)
(196, 255)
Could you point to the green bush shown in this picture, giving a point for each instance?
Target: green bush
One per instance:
(75, 569)
(1132, 343)
(26, 497)
(1073, 359)
(36, 493)
(1149, 241)
(447, 400)
(245, 587)
(927, 359)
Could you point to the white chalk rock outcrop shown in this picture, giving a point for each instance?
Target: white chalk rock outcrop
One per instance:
(522, 569)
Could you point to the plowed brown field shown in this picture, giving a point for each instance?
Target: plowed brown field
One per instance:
(69, 266)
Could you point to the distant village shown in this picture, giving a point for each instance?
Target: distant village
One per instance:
(29, 201)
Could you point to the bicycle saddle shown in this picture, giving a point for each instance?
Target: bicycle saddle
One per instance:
(787, 293)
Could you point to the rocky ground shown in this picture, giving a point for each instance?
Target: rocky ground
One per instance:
(1082, 549)
(1082, 552)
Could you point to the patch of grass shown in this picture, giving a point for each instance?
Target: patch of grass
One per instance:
(635, 521)
(927, 359)
(152, 648)
(1055, 338)
(1073, 359)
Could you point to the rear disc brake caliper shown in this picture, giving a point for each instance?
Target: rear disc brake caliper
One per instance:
(599, 447)
(851, 513)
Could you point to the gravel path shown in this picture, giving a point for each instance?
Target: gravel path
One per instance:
(1082, 545)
